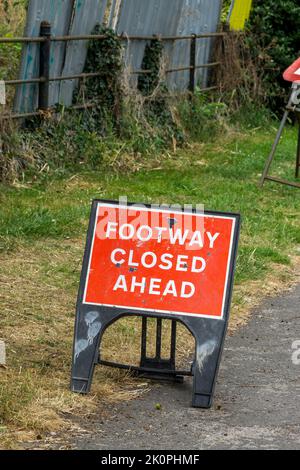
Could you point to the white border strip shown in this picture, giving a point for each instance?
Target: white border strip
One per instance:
(169, 211)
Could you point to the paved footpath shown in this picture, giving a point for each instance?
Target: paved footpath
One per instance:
(256, 403)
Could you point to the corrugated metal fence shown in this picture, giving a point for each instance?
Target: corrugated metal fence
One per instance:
(198, 17)
(168, 18)
(127, 17)
(66, 17)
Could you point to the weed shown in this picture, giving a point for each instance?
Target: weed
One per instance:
(202, 118)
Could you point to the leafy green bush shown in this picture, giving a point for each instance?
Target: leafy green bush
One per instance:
(140, 116)
(274, 40)
(202, 118)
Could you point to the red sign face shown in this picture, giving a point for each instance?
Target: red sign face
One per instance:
(160, 260)
(292, 74)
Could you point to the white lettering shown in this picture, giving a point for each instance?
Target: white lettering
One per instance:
(165, 258)
(126, 231)
(178, 236)
(170, 289)
(152, 263)
(196, 239)
(212, 239)
(111, 227)
(194, 265)
(182, 263)
(113, 256)
(121, 283)
(160, 232)
(154, 284)
(144, 228)
(184, 294)
(130, 259)
(135, 284)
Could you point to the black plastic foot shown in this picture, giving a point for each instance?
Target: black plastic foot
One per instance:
(201, 401)
(80, 386)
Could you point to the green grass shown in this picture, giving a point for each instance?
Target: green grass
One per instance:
(222, 175)
(42, 231)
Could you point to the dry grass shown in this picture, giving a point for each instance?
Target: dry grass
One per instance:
(38, 292)
(12, 15)
(240, 75)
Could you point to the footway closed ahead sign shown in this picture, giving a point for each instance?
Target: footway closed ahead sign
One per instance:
(162, 262)
(155, 260)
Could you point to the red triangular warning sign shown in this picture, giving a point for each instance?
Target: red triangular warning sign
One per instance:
(292, 74)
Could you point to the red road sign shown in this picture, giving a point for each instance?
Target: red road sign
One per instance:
(292, 73)
(148, 259)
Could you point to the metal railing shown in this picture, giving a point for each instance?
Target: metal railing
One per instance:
(44, 79)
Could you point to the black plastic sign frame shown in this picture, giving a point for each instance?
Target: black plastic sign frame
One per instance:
(92, 320)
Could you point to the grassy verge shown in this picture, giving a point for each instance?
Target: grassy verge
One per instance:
(42, 230)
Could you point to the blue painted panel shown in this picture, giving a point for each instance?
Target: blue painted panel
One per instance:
(167, 18)
(87, 13)
(58, 13)
(144, 17)
(131, 17)
(198, 17)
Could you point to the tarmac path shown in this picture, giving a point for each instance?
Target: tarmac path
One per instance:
(256, 403)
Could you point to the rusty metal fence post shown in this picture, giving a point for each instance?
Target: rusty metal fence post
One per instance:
(44, 74)
(193, 54)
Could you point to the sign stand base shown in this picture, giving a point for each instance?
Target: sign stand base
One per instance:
(155, 368)
(291, 107)
(209, 336)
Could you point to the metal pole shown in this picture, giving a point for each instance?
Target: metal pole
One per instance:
(173, 343)
(144, 340)
(85, 37)
(158, 338)
(276, 142)
(45, 46)
(192, 83)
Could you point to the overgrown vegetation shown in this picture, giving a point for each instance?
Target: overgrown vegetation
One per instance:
(152, 146)
(126, 128)
(256, 58)
(104, 57)
(274, 40)
(151, 64)
(12, 15)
